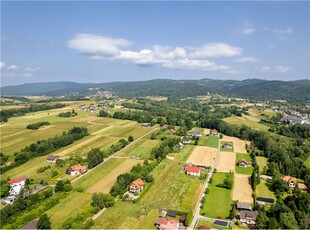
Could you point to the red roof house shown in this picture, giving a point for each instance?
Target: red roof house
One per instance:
(167, 224)
(136, 186)
(18, 181)
(302, 186)
(194, 171)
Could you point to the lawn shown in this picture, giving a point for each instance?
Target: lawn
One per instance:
(262, 162)
(263, 191)
(141, 149)
(218, 201)
(212, 141)
(203, 141)
(243, 170)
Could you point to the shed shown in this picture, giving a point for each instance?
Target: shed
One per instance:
(171, 213)
(244, 206)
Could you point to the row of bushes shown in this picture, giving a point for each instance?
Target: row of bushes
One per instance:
(37, 125)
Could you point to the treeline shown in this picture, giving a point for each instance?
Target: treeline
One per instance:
(6, 114)
(295, 131)
(138, 116)
(43, 147)
(68, 114)
(37, 125)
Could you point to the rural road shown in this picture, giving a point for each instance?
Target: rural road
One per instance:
(197, 215)
(105, 160)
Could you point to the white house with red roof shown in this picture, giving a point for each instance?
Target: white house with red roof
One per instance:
(292, 182)
(192, 171)
(17, 185)
(76, 169)
(214, 132)
(136, 186)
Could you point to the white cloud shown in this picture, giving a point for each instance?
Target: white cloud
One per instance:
(97, 45)
(286, 31)
(101, 47)
(2, 64)
(248, 31)
(283, 69)
(31, 69)
(265, 69)
(215, 50)
(12, 67)
(247, 59)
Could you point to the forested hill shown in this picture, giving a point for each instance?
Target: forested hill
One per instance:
(293, 91)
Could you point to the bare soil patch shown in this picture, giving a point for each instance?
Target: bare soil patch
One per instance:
(239, 145)
(105, 184)
(227, 161)
(203, 156)
(242, 190)
(206, 131)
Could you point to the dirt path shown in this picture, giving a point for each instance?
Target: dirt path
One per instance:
(13, 134)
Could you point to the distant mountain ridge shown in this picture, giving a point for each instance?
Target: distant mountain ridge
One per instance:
(294, 91)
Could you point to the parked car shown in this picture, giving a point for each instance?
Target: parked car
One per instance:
(8, 200)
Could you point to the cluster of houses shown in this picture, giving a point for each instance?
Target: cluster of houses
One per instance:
(171, 129)
(16, 186)
(92, 108)
(292, 182)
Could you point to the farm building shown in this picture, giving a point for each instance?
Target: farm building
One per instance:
(264, 201)
(52, 159)
(244, 163)
(192, 171)
(76, 169)
(186, 140)
(243, 206)
(248, 217)
(136, 186)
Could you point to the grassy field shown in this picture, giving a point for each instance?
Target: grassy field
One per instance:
(212, 141)
(203, 141)
(263, 191)
(243, 170)
(218, 201)
(235, 120)
(141, 149)
(170, 190)
(262, 162)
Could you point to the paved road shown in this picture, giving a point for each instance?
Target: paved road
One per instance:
(105, 160)
(197, 215)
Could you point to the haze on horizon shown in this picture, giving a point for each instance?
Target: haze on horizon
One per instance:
(128, 41)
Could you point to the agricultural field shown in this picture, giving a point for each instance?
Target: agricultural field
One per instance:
(226, 162)
(262, 190)
(173, 187)
(141, 149)
(238, 144)
(204, 156)
(243, 170)
(218, 202)
(242, 190)
(249, 121)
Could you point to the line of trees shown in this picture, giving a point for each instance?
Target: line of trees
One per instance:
(43, 147)
(68, 114)
(37, 125)
(6, 114)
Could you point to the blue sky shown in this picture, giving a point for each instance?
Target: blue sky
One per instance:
(126, 41)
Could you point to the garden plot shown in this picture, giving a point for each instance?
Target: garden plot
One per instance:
(202, 156)
(226, 162)
(242, 190)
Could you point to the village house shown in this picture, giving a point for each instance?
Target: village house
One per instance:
(172, 131)
(292, 182)
(179, 146)
(248, 217)
(52, 159)
(167, 224)
(244, 163)
(165, 126)
(196, 134)
(192, 171)
(185, 140)
(16, 186)
(76, 169)
(146, 125)
(136, 186)
(18, 181)
(214, 132)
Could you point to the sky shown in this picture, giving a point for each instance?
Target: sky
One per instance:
(96, 41)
